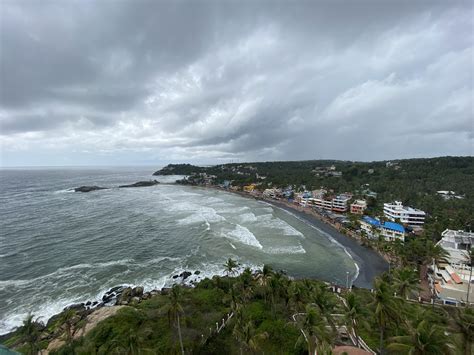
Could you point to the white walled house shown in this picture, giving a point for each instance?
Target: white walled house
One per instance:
(451, 278)
(358, 207)
(407, 215)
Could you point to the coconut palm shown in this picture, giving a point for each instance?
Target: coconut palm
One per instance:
(263, 278)
(405, 281)
(425, 338)
(244, 332)
(464, 326)
(313, 329)
(175, 310)
(386, 308)
(230, 267)
(67, 319)
(29, 333)
(298, 296)
(325, 301)
(354, 314)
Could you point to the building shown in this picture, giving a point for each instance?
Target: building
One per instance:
(358, 207)
(449, 195)
(370, 226)
(390, 231)
(249, 188)
(407, 215)
(340, 202)
(452, 276)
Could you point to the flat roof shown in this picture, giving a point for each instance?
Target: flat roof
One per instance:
(394, 226)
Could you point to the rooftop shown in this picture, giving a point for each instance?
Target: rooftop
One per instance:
(394, 226)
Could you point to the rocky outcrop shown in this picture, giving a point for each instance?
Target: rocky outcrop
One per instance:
(141, 184)
(89, 188)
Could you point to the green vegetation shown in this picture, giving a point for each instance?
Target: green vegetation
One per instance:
(412, 181)
(270, 314)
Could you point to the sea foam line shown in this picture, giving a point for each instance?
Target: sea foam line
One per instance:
(327, 235)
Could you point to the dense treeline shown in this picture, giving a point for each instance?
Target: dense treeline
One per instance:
(412, 181)
(271, 314)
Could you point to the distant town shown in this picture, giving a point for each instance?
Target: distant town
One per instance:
(361, 213)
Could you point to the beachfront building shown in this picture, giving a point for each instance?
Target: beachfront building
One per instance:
(321, 203)
(406, 215)
(271, 193)
(358, 207)
(390, 231)
(340, 202)
(452, 276)
(250, 188)
(370, 226)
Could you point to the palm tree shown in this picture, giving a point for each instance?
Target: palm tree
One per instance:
(67, 318)
(264, 277)
(230, 267)
(325, 301)
(386, 310)
(174, 311)
(426, 338)
(298, 296)
(29, 333)
(464, 326)
(470, 261)
(405, 281)
(313, 329)
(354, 314)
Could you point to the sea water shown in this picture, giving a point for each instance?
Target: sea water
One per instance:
(59, 247)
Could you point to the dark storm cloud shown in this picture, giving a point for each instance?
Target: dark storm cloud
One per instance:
(245, 80)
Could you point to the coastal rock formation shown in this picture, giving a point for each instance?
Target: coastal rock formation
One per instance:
(141, 184)
(89, 188)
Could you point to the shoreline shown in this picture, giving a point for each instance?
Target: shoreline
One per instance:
(369, 262)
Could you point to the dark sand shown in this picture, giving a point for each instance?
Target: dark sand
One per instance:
(370, 263)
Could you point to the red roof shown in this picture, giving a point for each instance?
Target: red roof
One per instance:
(456, 278)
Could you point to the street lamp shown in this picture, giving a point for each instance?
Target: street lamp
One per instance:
(347, 279)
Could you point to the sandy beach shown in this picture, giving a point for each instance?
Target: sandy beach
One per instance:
(370, 263)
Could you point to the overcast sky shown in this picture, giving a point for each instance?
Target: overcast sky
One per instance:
(148, 82)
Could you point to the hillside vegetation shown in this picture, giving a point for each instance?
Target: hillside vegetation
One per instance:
(415, 182)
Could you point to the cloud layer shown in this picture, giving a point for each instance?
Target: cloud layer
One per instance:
(126, 82)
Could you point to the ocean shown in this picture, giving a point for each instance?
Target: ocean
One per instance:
(59, 247)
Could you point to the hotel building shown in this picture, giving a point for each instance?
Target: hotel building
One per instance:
(407, 215)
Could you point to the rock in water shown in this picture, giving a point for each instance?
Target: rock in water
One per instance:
(89, 188)
(141, 184)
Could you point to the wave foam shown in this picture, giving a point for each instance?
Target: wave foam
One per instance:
(244, 236)
(296, 249)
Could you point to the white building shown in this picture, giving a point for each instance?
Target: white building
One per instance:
(453, 276)
(407, 215)
(358, 207)
(340, 202)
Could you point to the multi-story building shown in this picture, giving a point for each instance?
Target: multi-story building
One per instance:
(358, 207)
(452, 276)
(407, 215)
(340, 202)
(389, 230)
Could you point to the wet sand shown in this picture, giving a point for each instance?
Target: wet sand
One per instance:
(370, 263)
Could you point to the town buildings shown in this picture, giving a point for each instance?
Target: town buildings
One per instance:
(358, 207)
(407, 215)
(390, 231)
(452, 276)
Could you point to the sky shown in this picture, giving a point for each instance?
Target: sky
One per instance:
(120, 82)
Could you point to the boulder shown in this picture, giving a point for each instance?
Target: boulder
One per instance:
(165, 291)
(185, 274)
(124, 297)
(141, 184)
(137, 291)
(88, 188)
(135, 300)
(197, 272)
